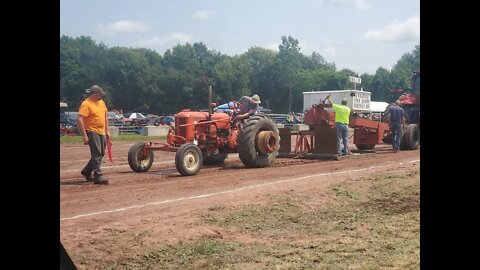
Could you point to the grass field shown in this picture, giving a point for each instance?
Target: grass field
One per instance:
(370, 223)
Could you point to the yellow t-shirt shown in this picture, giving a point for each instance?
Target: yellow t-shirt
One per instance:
(95, 115)
(342, 113)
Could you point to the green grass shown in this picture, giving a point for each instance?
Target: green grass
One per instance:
(370, 223)
(125, 137)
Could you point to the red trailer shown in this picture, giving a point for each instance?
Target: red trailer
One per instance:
(320, 141)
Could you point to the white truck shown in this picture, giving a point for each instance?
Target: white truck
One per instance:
(358, 101)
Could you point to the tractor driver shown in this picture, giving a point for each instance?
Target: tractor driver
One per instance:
(249, 106)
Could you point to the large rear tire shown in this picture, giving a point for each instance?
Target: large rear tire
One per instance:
(411, 137)
(188, 159)
(248, 151)
(138, 161)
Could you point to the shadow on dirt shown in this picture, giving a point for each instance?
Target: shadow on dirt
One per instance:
(74, 182)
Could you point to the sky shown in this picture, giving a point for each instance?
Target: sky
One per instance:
(361, 35)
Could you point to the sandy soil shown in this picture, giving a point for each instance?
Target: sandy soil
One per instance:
(137, 211)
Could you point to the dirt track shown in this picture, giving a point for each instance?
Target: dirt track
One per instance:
(139, 210)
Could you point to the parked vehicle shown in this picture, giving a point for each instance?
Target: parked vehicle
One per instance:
(164, 120)
(279, 118)
(68, 118)
(114, 116)
(134, 115)
(68, 124)
(135, 118)
(226, 108)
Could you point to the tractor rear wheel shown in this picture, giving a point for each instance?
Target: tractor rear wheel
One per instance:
(250, 152)
(138, 161)
(411, 137)
(188, 159)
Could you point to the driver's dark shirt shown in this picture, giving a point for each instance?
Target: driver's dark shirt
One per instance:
(247, 106)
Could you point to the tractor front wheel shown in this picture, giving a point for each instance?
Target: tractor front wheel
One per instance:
(188, 159)
(138, 160)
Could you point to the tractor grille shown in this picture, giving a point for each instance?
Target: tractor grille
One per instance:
(182, 130)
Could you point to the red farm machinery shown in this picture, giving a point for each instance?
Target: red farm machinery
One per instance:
(320, 140)
(204, 138)
(410, 102)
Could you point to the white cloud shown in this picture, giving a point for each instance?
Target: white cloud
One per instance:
(201, 15)
(121, 27)
(360, 4)
(396, 31)
(165, 41)
(329, 51)
(305, 47)
(272, 46)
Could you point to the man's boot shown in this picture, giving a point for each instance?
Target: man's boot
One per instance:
(99, 180)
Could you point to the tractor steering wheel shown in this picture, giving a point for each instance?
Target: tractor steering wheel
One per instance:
(236, 107)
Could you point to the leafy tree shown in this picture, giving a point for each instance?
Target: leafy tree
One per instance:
(367, 80)
(259, 64)
(401, 76)
(81, 66)
(164, 84)
(381, 85)
(316, 61)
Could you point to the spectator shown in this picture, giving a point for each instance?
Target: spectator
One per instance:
(397, 120)
(92, 123)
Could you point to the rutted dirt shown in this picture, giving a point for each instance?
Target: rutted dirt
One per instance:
(137, 211)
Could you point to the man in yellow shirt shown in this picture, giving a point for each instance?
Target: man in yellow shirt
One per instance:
(342, 119)
(92, 123)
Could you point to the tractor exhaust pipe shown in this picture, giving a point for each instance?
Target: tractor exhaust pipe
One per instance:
(210, 111)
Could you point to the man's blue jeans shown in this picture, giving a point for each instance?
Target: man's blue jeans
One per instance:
(396, 135)
(342, 136)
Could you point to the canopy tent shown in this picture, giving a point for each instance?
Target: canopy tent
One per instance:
(226, 108)
(378, 106)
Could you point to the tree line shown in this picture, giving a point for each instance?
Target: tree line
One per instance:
(138, 79)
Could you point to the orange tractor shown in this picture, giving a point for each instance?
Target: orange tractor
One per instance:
(202, 138)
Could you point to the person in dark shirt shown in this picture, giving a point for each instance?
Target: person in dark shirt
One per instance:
(397, 120)
(249, 106)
